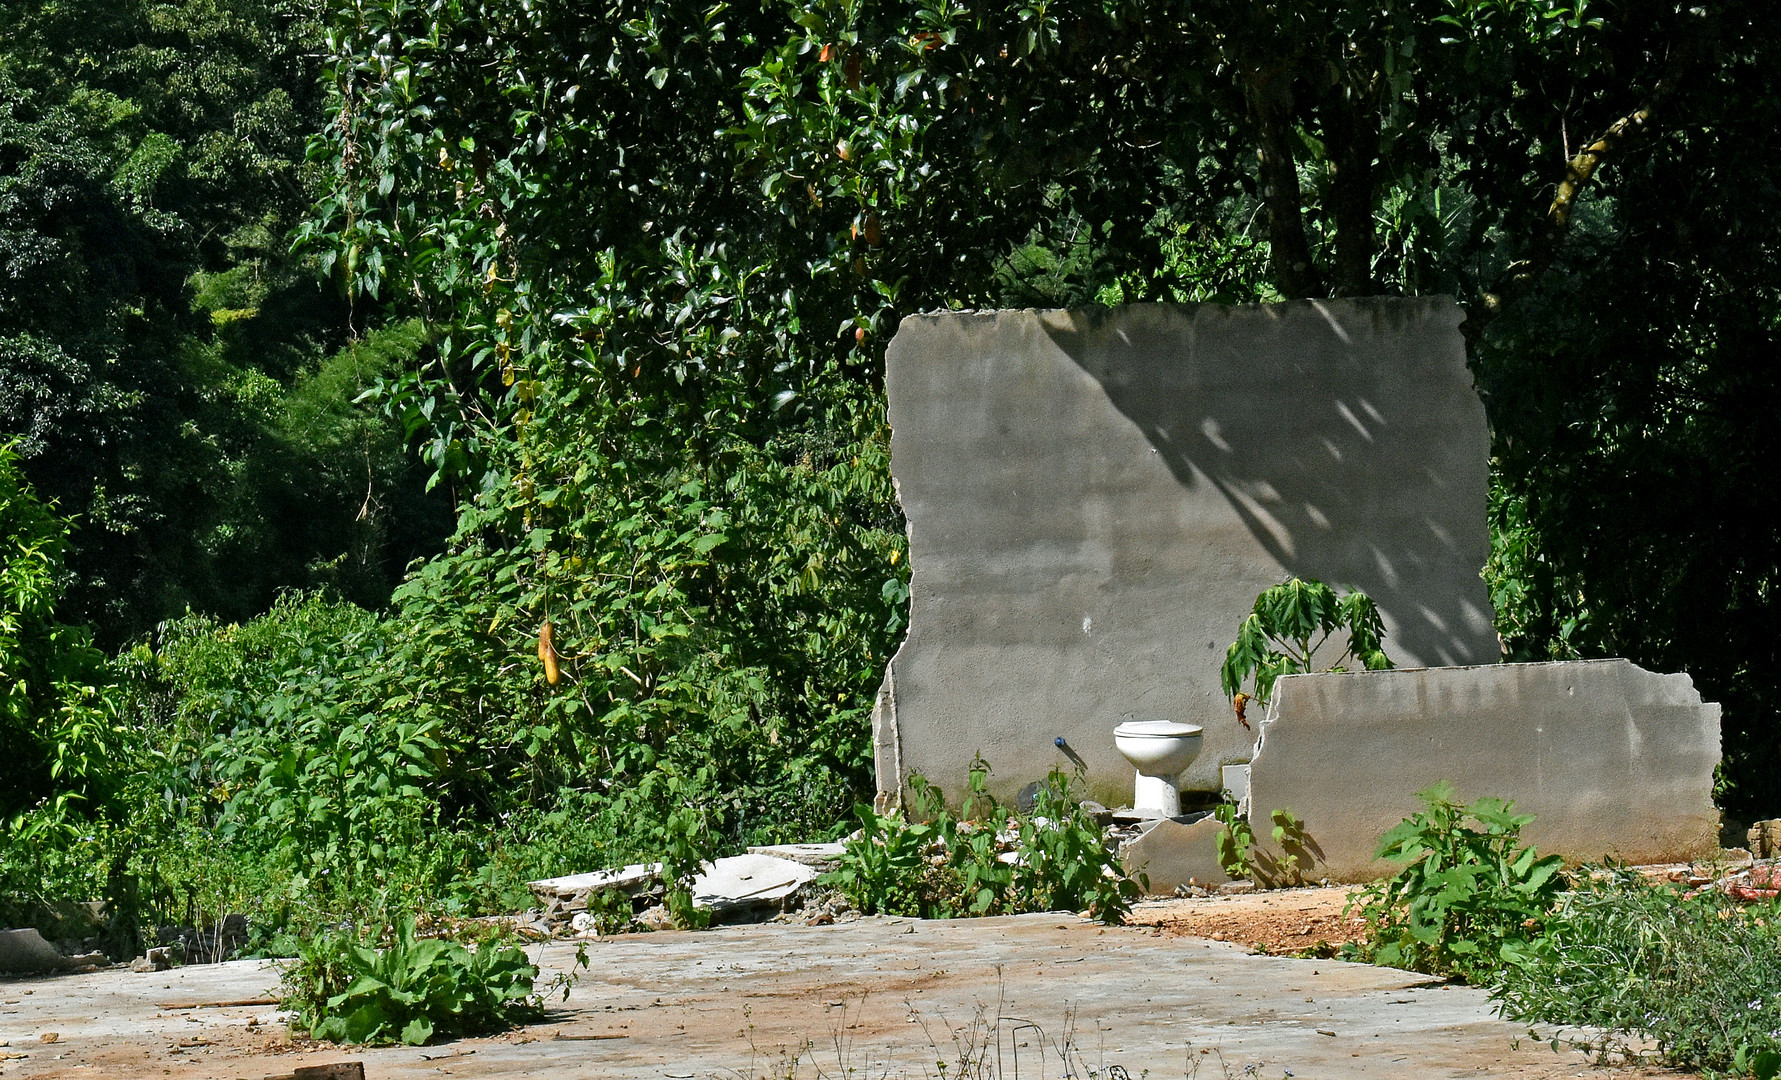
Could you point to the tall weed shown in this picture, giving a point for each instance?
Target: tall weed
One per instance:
(408, 990)
(1467, 899)
(988, 860)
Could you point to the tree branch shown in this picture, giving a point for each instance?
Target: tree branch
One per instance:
(1351, 133)
(1518, 279)
(1269, 96)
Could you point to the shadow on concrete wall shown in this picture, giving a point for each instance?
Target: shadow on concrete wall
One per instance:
(1354, 454)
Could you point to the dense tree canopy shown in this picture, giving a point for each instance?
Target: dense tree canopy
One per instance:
(159, 350)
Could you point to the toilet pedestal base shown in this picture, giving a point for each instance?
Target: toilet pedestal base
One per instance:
(1157, 793)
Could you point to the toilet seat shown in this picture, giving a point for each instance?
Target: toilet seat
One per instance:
(1156, 729)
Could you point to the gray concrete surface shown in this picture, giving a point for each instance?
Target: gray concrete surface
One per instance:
(1096, 498)
(884, 997)
(1169, 854)
(1612, 760)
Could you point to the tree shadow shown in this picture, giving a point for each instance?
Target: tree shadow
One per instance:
(1345, 436)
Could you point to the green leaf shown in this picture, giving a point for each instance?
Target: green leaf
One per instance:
(417, 1031)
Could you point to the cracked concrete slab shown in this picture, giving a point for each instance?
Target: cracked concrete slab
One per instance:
(888, 996)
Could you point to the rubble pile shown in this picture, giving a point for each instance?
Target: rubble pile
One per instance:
(744, 888)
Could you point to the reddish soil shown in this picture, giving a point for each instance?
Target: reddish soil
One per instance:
(1280, 922)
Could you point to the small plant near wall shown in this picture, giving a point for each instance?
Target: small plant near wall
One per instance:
(986, 860)
(1282, 634)
(1239, 858)
(1234, 840)
(1468, 898)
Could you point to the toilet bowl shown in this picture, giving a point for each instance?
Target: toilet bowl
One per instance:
(1159, 750)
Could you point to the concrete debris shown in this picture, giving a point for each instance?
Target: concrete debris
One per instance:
(821, 907)
(159, 958)
(25, 952)
(751, 883)
(655, 917)
(743, 888)
(1173, 855)
(1751, 884)
(1765, 839)
(634, 879)
(824, 857)
(1236, 888)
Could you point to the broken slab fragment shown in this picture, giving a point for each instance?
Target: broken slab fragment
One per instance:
(25, 952)
(575, 888)
(823, 857)
(1095, 498)
(731, 888)
(1171, 855)
(744, 884)
(1612, 760)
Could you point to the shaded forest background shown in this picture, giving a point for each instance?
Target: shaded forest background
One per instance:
(344, 345)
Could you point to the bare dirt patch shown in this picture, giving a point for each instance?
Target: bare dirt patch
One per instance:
(1280, 922)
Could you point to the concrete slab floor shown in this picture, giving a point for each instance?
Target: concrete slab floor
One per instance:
(875, 998)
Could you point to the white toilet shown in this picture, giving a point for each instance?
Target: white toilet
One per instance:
(1159, 749)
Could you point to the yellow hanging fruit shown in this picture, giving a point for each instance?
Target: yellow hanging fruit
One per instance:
(547, 654)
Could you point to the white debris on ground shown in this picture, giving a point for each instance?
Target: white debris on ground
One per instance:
(742, 888)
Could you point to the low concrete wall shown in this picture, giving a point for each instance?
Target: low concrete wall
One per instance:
(1612, 760)
(1096, 497)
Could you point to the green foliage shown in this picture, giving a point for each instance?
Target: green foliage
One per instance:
(59, 738)
(1235, 839)
(1692, 979)
(883, 867)
(1633, 399)
(694, 216)
(1288, 831)
(410, 991)
(1467, 900)
(1239, 858)
(1062, 862)
(1290, 623)
(988, 861)
(159, 346)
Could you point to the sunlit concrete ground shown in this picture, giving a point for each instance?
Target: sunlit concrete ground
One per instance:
(1027, 996)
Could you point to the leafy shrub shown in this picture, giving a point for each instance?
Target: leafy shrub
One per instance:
(883, 866)
(59, 738)
(1062, 863)
(1235, 838)
(1698, 976)
(1290, 622)
(985, 861)
(1467, 899)
(410, 991)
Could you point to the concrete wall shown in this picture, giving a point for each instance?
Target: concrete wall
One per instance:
(1610, 758)
(1095, 498)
